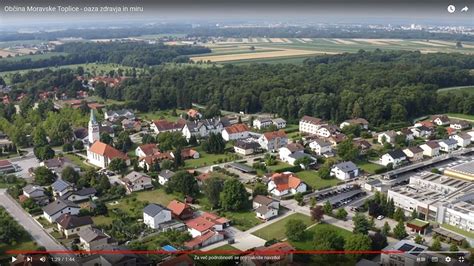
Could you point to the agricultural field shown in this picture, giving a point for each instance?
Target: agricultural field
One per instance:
(295, 50)
(461, 89)
(32, 57)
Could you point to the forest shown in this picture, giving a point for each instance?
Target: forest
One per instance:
(133, 54)
(383, 87)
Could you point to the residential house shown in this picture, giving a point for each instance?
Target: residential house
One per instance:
(70, 225)
(463, 139)
(61, 187)
(441, 120)
(408, 133)
(448, 145)
(165, 176)
(202, 128)
(272, 141)
(180, 210)
(425, 123)
(395, 157)
(206, 239)
(321, 147)
(94, 239)
(287, 183)
(262, 122)
(283, 249)
(325, 131)
(220, 223)
(154, 215)
(206, 222)
(387, 136)
(265, 207)
(58, 164)
(460, 124)
(364, 124)
(235, 132)
(52, 211)
(114, 115)
(345, 170)
(146, 150)
(291, 148)
(247, 147)
(430, 148)
(471, 133)
(161, 126)
(310, 125)
(279, 123)
(422, 132)
(76, 196)
(136, 181)
(6, 167)
(101, 154)
(414, 153)
(132, 125)
(188, 153)
(194, 114)
(158, 157)
(36, 193)
(362, 145)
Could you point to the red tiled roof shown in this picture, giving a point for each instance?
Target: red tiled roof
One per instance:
(200, 224)
(312, 120)
(107, 151)
(236, 128)
(177, 207)
(428, 124)
(284, 181)
(187, 153)
(165, 125)
(193, 113)
(4, 163)
(159, 156)
(181, 260)
(214, 218)
(203, 177)
(275, 134)
(149, 149)
(199, 240)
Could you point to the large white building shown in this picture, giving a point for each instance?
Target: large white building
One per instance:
(203, 128)
(154, 215)
(101, 154)
(310, 125)
(437, 198)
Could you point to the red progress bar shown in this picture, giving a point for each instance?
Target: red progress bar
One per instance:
(215, 252)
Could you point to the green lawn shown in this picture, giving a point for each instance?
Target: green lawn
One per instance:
(24, 244)
(278, 166)
(369, 167)
(461, 116)
(77, 160)
(226, 247)
(277, 229)
(102, 220)
(459, 231)
(155, 196)
(308, 243)
(242, 220)
(207, 159)
(458, 89)
(312, 178)
(164, 114)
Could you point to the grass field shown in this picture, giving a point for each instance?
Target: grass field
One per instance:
(460, 89)
(242, 220)
(296, 50)
(308, 243)
(461, 116)
(369, 167)
(207, 159)
(277, 230)
(459, 231)
(33, 57)
(157, 115)
(226, 247)
(312, 178)
(278, 166)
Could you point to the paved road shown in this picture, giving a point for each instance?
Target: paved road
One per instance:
(30, 225)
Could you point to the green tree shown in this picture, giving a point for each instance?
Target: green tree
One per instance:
(317, 213)
(361, 224)
(347, 150)
(106, 138)
(453, 247)
(419, 239)
(259, 189)
(166, 165)
(70, 175)
(386, 229)
(214, 144)
(303, 161)
(436, 245)
(184, 182)
(118, 165)
(234, 196)
(44, 176)
(357, 242)
(124, 143)
(341, 214)
(327, 207)
(399, 231)
(78, 145)
(39, 137)
(295, 230)
(326, 238)
(67, 147)
(399, 215)
(212, 188)
(414, 214)
(178, 159)
(43, 153)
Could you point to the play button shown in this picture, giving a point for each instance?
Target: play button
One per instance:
(13, 259)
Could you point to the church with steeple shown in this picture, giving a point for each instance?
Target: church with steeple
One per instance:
(93, 129)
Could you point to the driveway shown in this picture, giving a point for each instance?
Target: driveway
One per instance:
(23, 164)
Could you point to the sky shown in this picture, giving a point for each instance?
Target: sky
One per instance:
(317, 11)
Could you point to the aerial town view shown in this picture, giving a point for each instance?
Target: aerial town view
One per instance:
(176, 134)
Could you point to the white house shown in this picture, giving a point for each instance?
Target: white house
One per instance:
(202, 128)
(101, 154)
(146, 150)
(310, 125)
(52, 211)
(272, 141)
(61, 187)
(235, 132)
(325, 131)
(94, 239)
(114, 115)
(279, 123)
(161, 126)
(247, 147)
(265, 207)
(395, 157)
(471, 133)
(165, 176)
(364, 124)
(33, 191)
(345, 170)
(291, 148)
(441, 120)
(387, 136)
(154, 215)
(136, 181)
(83, 194)
(262, 122)
(70, 225)
(421, 132)
(462, 139)
(430, 148)
(414, 153)
(281, 184)
(320, 146)
(460, 124)
(448, 145)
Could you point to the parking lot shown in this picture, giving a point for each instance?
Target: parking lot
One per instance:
(341, 196)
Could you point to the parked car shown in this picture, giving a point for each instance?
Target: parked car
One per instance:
(380, 217)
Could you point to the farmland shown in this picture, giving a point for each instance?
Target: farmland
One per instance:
(295, 50)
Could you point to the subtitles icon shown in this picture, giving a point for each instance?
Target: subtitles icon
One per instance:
(451, 8)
